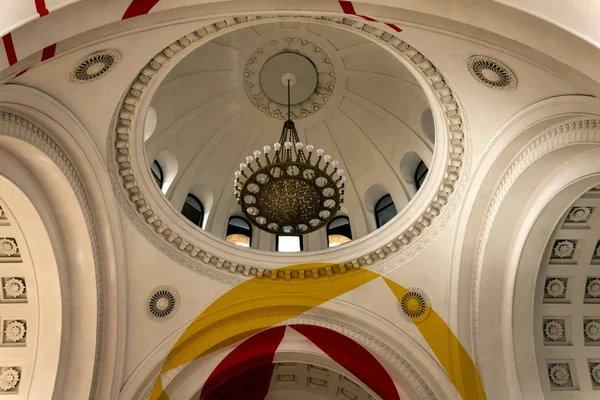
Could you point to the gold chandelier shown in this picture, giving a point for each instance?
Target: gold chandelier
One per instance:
(290, 191)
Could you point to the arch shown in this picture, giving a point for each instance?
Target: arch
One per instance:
(239, 231)
(170, 166)
(385, 210)
(150, 123)
(537, 154)
(428, 124)
(157, 173)
(193, 210)
(338, 231)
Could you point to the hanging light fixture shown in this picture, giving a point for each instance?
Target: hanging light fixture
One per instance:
(290, 190)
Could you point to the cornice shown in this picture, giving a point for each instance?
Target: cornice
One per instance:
(151, 222)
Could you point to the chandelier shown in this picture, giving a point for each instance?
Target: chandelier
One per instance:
(291, 190)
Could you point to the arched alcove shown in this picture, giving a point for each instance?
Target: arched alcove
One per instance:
(170, 166)
(150, 123)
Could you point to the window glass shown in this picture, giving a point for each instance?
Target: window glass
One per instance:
(239, 232)
(421, 174)
(338, 231)
(385, 210)
(157, 173)
(288, 244)
(193, 210)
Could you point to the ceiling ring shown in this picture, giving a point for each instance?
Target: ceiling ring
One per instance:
(179, 243)
(94, 66)
(491, 73)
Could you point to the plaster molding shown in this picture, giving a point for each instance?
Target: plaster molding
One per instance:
(181, 248)
(574, 132)
(326, 78)
(20, 128)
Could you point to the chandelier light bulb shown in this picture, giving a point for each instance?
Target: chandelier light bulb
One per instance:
(320, 152)
(299, 146)
(256, 154)
(249, 160)
(242, 166)
(266, 149)
(238, 174)
(276, 146)
(327, 158)
(340, 172)
(288, 145)
(335, 163)
(309, 148)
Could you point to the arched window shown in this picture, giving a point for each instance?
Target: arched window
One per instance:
(193, 210)
(289, 244)
(239, 232)
(385, 210)
(157, 173)
(338, 231)
(420, 174)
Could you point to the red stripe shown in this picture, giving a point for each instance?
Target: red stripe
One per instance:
(139, 7)
(256, 351)
(394, 27)
(48, 52)
(352, 356)
(21, 73)
(348, 8)
(9, 48)
(40, 7)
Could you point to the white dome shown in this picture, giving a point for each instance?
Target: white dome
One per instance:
(366, 110)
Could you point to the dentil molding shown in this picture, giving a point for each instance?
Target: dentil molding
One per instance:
(150, 221)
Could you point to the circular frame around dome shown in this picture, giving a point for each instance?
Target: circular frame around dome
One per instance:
(178, 240)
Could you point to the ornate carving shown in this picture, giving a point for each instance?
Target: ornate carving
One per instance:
(560, 375)
(415, 305)
(163, 302)
(14, 287)
(491, 73)
(14, 331)
(144, 213)
(592, 288)
(556, 288)
(595, 373)
(94, 66)
(579, 214)
(564, 249)
(9, 379)
(316, 101)
(554, 329)
(592, 330)
(15, 126)
(8, 247)
(581, 131)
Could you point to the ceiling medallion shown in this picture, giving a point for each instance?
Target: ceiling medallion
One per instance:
(162, 303)
(316, 81)
(491, 73)
(94, 66)
(415, 305)
(289, 192)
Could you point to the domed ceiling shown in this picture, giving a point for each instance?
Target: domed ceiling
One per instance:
(351, 98)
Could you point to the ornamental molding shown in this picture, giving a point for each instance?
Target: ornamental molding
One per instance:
(580, 131)
(162, 303)
(14, 288)
(21, 128)
(14, 331)
(410, 370)
(94, 66)
(326, 78)
(560, 375)
(9, 379)
(491, 73)
(151, 223)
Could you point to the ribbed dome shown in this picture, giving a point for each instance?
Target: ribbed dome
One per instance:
(222, 102)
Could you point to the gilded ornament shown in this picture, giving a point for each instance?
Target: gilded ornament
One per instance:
(8, 247)
(15, 331)
(14, 287)
(9, 378)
